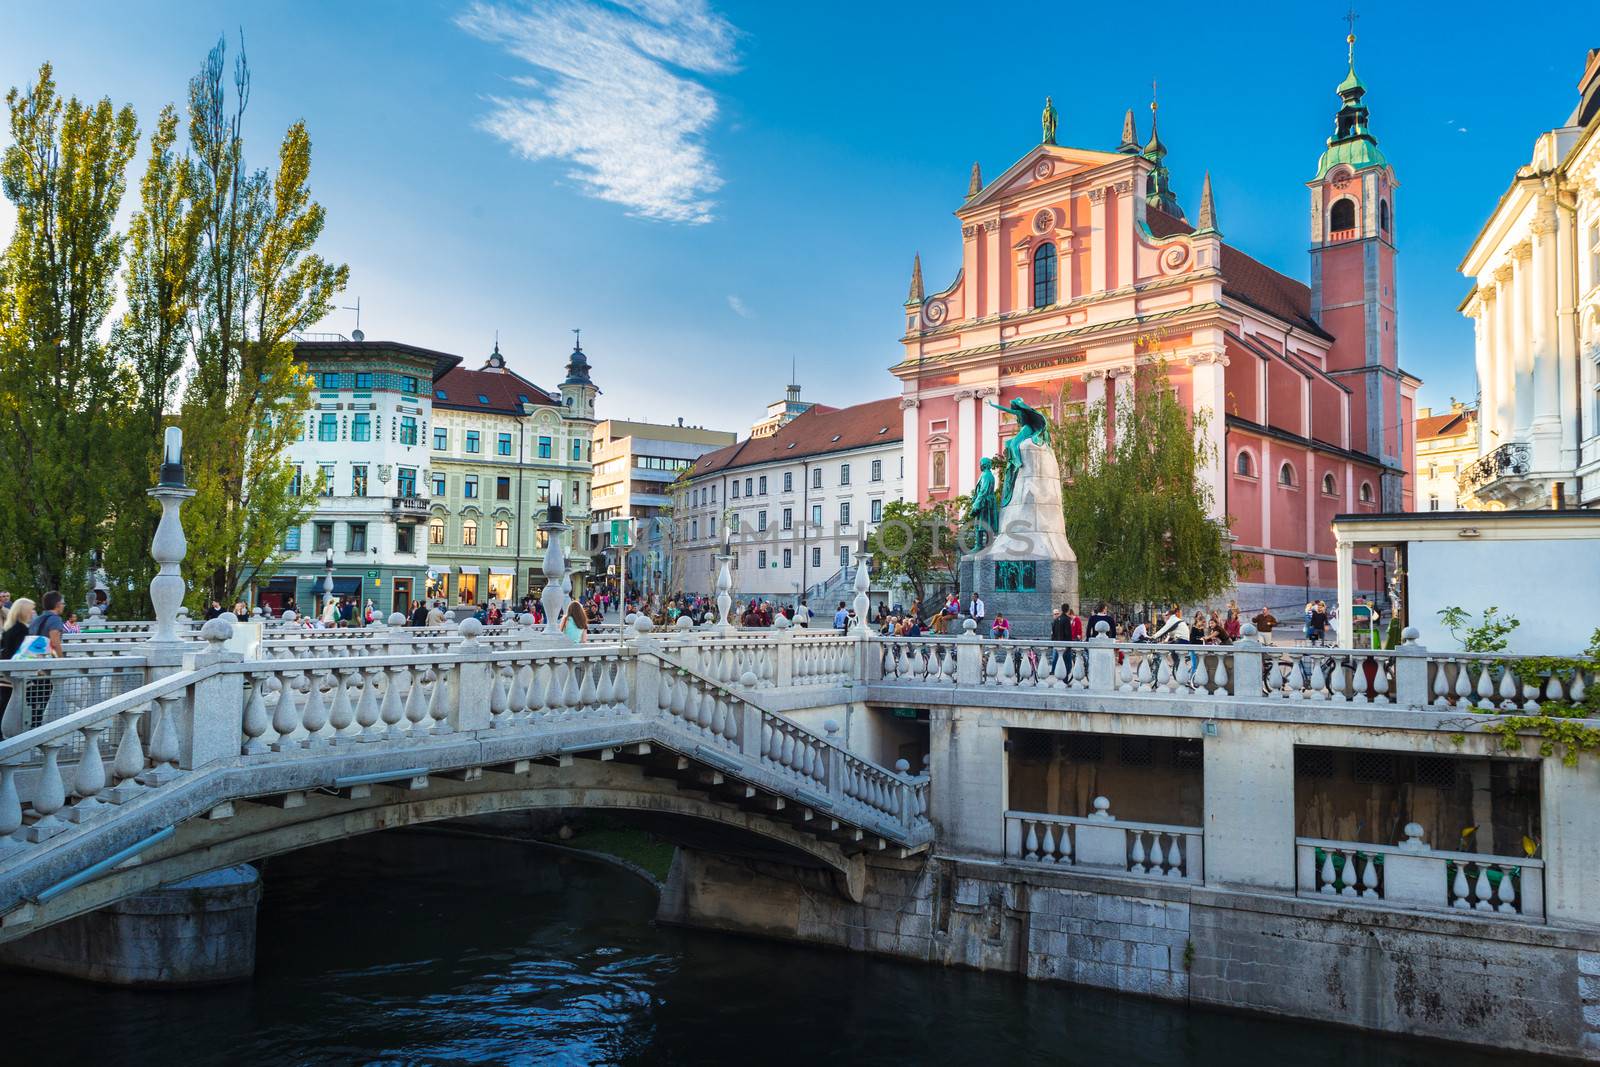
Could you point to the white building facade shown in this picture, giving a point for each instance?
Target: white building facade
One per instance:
(800, 505)
(1535, 306)
(363, 448)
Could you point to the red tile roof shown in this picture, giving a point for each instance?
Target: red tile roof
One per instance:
(1250, 280)
(819, 430)
(459, 390)
(1448, 424)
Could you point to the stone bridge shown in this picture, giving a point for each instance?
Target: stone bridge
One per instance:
(225, 760)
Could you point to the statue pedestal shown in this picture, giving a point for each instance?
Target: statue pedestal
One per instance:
(1028, 568)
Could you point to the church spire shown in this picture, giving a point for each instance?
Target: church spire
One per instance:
(1158, 188)
(1352, 142)
(1130, 135)
(1208, 209)
(914, 297)
(975, 183)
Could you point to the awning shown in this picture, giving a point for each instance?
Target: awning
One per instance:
(281, 583)
(468, 570)
(502, 570)
(341, 586)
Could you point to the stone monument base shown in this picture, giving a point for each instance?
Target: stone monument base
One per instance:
(1055, 582)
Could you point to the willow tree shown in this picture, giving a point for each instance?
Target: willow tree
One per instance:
(1139, 513)
(60, 383)
(152, 339)
(259, 282)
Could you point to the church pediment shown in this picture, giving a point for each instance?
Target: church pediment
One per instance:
(1044, 165)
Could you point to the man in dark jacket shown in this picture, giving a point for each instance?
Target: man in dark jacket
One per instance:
(1092, 623)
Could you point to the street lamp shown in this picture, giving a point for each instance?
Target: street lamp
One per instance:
(327, 578)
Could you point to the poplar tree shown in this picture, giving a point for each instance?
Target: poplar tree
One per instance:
(60, 384)
(1139, 513)
(258, 283)
(152, 339)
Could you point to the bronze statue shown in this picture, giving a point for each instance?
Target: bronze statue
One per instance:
(1048, 120)
(983, 512)
(1031, 426)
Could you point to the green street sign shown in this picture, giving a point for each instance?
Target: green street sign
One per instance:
(622, 532)
(372, 574)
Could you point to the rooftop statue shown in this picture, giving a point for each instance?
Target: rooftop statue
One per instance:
(1048, 120)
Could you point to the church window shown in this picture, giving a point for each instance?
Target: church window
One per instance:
(1243, 465)
(1343, 215)
(1286, 475)
(1328, 486)
(1366, 492)
(1383, 215)
(1044, 275)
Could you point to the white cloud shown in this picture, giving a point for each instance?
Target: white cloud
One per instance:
(738, 307)
(615, 96)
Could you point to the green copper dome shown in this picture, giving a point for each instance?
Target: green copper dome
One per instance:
(1352, 144)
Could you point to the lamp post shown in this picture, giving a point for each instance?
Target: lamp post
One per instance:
(554, 597)
(327, 580)
(169, 546)
(724, 578)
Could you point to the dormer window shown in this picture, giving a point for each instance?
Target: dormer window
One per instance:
(482, 399)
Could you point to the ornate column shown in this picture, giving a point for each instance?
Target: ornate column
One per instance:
(990, 419)
(169, 545)
(1344, 555)
(1522, 374)
(911, 448)
(966, 441)
(1482, 357)
(554, 597)
(994, 267)
(1209, 390)
(1498, 428)
(1542, 334)
(1094, 382)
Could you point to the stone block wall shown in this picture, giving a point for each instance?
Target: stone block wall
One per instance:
(1454, 978)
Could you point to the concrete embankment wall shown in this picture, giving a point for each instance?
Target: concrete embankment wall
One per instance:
(1498, 984)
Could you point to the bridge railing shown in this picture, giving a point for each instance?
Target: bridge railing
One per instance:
(220, 709)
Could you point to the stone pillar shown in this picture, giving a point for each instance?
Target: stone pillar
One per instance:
(1344, 556)
(1482, 357)
(1098, 251)
(1249, 805)
(1565, 341)
(911, 434)
(1094, 389)
(1209, 390)
(1542, 332)
(966, 441)
(1522, 389)
(990, 417)
(994, 267)
(1501, 421)
(1570, 848)
(967, 745)
(199, 931)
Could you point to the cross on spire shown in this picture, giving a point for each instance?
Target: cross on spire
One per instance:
(1153, 104)
(577, 340)
(1350, 39)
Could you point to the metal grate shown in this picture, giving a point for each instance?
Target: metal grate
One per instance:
(1033, 745)
(1137, 751)
(1437, 771)
(1188, 755)
(1313, 763)
(1084, 748)
(1374, 767)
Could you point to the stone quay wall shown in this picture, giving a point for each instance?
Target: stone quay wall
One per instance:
(1529, 988)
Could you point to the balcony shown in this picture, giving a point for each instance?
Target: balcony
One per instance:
(1501, 477)
(409, 508)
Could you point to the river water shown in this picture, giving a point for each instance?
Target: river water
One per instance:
(408, 948)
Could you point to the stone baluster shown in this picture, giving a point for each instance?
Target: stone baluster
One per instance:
(1030, 844)
(1459, 889)
(314, 717)
(499, 698)
(1441, 690)
(1506, 893)
(10, 805)
(1463, 687)
(128, 764)
(1175, 857)
(90, 778)
(164, 741)
(417, 704)
(1485, 687)
(1048, 855)
(367, 710)
(342, 714)
(1327, 876)
(1380, 680)
(1482, 890)
(1508, 688)
(1136, 855)
(439, 702)
(1157, 863)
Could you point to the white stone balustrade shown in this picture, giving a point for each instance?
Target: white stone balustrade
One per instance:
(1412, 875)
(1101, 842)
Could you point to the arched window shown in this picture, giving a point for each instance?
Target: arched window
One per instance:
(1286, 475)
(1044, 275)
(436, 532)
(1328, 486)
(1366, 492)
(1343, 215)
(502, 534)
(1383, 215)
(1242, 465)
(469, 531)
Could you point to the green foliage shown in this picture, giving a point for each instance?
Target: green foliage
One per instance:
(61, 386)
(1489, 635)
(919, 545)
(1559, 723)
(1140, 518)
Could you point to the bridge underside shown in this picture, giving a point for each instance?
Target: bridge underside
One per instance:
(224, 817)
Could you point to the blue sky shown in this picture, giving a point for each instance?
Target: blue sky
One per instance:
(710, 191)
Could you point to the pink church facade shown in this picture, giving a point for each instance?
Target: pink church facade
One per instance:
(1077, 266)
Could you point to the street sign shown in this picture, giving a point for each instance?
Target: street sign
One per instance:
(622, 532)
(372, 574)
